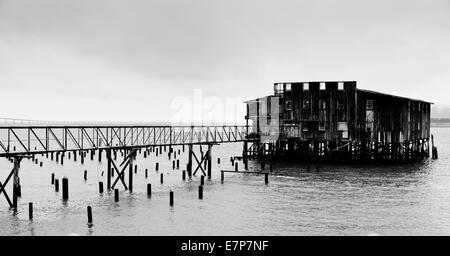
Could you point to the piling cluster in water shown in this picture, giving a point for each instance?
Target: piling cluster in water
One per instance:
(173, 156)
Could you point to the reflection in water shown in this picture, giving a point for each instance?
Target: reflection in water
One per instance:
(411, 199)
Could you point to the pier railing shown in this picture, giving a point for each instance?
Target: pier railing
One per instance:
(31, 139)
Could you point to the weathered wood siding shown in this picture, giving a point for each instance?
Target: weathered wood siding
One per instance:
(395, 119)
(309, 107)
(338, 111)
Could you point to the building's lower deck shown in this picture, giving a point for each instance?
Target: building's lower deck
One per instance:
(338, 151)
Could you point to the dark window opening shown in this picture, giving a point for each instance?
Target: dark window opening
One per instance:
(369, 104)
(321, 126)
(306, 104)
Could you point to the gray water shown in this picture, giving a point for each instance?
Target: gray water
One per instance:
(411, 199)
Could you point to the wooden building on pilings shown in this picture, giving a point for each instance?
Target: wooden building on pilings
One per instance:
(310, 121)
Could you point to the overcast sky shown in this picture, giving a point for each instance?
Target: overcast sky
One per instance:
(133, 60)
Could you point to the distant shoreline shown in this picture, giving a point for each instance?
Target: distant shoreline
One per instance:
(440, 125)
(440, 122)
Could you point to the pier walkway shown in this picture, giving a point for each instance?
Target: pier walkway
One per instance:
(21, 139)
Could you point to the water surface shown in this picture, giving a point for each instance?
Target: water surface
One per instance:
(411, 199)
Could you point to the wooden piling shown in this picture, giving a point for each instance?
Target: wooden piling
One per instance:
(130, 173)
(202, 180)
(171, 198)
(184, 175)
(65, 187)
(53, 178)
(85, 175)
(236, 167)
(162, 178)
(116, 195)
(266, 178)
(189, 170)
(89, 214)
(149, 189)
(157, 166)
(222, 176)
(146, 173)
(109, 171)
(30, 211)
(57, 185)
(100, 187)
(200, 192)
(209, 160)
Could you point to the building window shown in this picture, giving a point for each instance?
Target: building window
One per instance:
(288, 104)
(323, 87)
(369, 104)
(341, 86)
(343, 128)
(306, 104)
(345, 135)
(322, 104)
(305, 86)
(288, 87)
(321, 126)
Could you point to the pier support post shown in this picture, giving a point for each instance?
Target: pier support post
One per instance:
(130, 170)
(171, 198)
(209, 160)
(149, 189)
(116, 195)
(108, 172)
(89, 214)
(65, 187)
(100, 187)
(245, 155)
(200, 192)
(30, 211)
(189, 165)
(16, 180)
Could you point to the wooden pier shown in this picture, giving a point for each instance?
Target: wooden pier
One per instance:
(22, 141)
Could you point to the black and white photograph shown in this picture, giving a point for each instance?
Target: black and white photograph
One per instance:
(214, 118)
